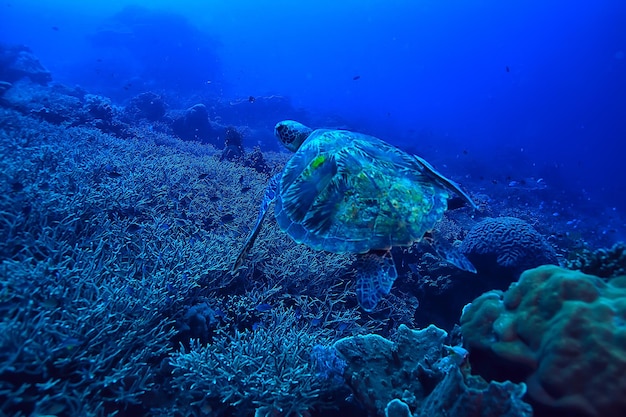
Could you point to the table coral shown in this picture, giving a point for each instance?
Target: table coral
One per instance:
(561, 331)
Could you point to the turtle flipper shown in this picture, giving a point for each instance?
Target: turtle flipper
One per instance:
(452, 255)
(268, 198)
(375, 275)
(446, 182)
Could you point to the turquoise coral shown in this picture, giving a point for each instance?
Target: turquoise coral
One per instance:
(506, 244)
(412, 373)
(561, 331)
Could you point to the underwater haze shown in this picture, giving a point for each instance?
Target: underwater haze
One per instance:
(539, 85)
(443, 232)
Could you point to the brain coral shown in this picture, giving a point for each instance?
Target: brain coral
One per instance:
(506, 245)
(561, 331)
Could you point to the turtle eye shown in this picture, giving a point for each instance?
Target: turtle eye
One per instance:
(281, 132)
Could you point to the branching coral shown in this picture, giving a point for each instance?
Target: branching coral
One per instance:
(103, 243)
(113, 249)
(267, 369)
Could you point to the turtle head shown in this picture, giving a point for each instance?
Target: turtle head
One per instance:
(292, 134)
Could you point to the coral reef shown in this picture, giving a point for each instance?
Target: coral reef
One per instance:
(107, 274)
(265, 370)
(504, 247)
(562, 332)
(233, 145)
(59, 104)
(88, 300)
(148, 105)
(256, 160)
(194, 125)
(604, 263)
(416, 371)
(116, 295)
(18, 61)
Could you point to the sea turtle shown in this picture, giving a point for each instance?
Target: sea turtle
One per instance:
(346, 192)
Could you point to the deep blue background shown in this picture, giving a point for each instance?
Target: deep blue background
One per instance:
(487, 88)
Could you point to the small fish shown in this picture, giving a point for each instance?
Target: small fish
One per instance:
(263, 307)
(356, 77)
(251, 99)
(70, 343)
(55, 28)
(214, 198)
(458, 353)
(202, 176)
(508, 69)
(245, 189)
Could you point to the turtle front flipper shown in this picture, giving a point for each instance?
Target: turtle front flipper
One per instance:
(445, 182)
(268, 198)
(375, 275)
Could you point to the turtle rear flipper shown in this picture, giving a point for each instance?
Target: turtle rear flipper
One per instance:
(445, 182)
(452, 255)
(375, 275)
(268, 198)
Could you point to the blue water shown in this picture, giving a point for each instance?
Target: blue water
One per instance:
(537, 85)
(117, 237)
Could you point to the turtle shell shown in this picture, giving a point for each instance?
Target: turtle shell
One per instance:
(346, 192)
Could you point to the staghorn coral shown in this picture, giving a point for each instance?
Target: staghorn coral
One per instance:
(93, 273)
(506, 246)
(265, 370)
(99, 260)
(560, 331)
(110, 247)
